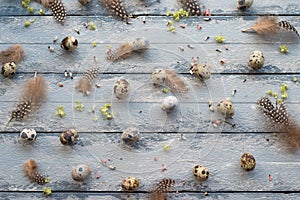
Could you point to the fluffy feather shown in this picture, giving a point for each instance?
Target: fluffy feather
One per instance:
(30, 168)
(57, 7)
(175, 82)
(34, 93)
(116, 8)
(14, 53)
(125, 50)
(192, 6)
(85, 83)
(266, 25)
(158, 192)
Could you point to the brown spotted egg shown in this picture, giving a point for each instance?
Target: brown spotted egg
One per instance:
(200, 172)
(130, 184)
(169, 103)
(225, 107)
(28, 135)
(84, 2)
(80, 172)
(201, 71)
(68, 137)
(69, 43)
(256, 60)
(130, 136)
(248, 162)
(244, 4)
(158, 77)
(9, 69)
(122, 88)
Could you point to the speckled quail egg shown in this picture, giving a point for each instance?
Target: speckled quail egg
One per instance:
(248, 162)
(68, 137)
(28, 135)
(158, 77)
(130, 184)
(256, 60)
(80, 172)
(244, 4)
(169, 103)
(130, 136)
(84, 2)
(9, 69)
(69, 43)
(225, 107)
(122, 88)
(200, 172)
(201, 71)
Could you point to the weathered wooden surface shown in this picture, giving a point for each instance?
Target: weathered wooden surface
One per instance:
(189, 131)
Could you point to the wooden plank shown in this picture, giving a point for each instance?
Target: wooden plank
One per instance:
(226, 174)
(155, 7)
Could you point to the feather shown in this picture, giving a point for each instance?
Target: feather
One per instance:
(30, 168)
(85, 83)
(34, 93)
(57, 7)
(116, 8)
(14, 53)
(192, 6)
(125, 50)
(158, 192)
(266, 25)
(175, 82)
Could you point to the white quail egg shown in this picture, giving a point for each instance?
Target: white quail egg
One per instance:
(80, 172)
(130, 136)
(169, 103)
(68, 137)
(244, 4)
(84, 2)
(256, 60)
(225, 107)
(158, 77)
(28, 135)
(130, 184)
(200, 172)
(122, 88)
(201, 71)
(9, 69)
(69, 43)
(248, 162)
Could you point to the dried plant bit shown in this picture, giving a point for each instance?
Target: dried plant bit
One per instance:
(130, 136)
(122, 88)
(223, 61)
(270, 177)
(76, 31)
(233, 92)
(60, 112)
(51, 49)
(66, 73)
(248, 162)
(130, 184)
(244, 4)
(220, 39)
(200, 172)
(69, 43)
(181, 48)
(206, 18)
(60, 84)
(47, 191)
(190, 46)
(80, 172)
(68, 137)
(111, 167)
(283, 49)
(256, 60)
(199, 27)
(27, 136)
(225, 107)
(219, 50)
(207, 38)
(9, 69)
(169, 103)
(55, 39)
(201, 71)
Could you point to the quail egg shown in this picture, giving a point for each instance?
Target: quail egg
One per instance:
(169, 103)
(225, 107)
(9, 69)
(158, 77)
(122, 88)
(130, 136)
(248, 162)
(68, 137)
(200, 172)
(256, 60)
(69, 43)
(130, 184)
(28, 135)
(244, 4)
(201, 71)
(80, 172)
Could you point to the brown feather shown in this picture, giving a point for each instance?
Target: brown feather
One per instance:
(85, 83)
(30, 168)
(14, 53)
(175, 82)
(160, 189)
(116, 8)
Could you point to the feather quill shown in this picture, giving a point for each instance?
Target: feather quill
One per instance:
(125, 50)
(85, 83)
(34, 93)
(192, 6)
(57, 7)
(14, 53)
(160, 190)
(116, 8)
(266, 25)
(175, 82)
(30, 168)
(289, 131)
